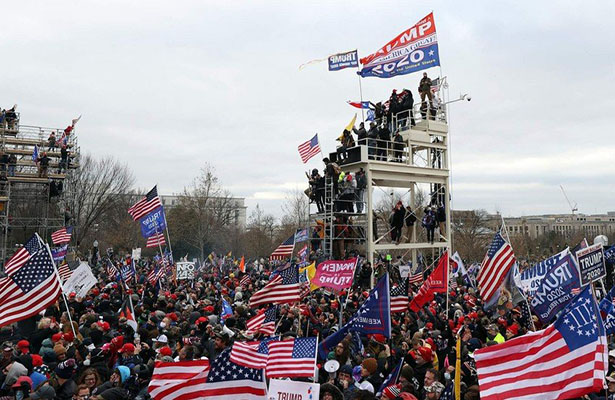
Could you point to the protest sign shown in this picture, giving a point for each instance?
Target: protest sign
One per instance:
(404, 270)
(335, 274)
(282, 389)
(185, 270)
(81, 281)
(136, 254)
(591, 264)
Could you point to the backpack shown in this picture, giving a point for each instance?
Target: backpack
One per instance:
(427, 220)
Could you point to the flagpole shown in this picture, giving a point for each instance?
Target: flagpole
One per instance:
(316, 356)
(57, 274)
(448, 260)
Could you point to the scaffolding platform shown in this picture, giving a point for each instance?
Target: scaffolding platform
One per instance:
(419, 158)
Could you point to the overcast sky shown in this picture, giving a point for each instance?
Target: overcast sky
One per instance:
(169, 86)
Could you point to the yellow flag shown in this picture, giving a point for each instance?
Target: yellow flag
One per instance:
(458, 370)
(311, 271)
(349, 126)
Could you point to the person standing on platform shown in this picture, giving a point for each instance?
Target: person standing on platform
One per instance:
(361, 181)
(410, 219)
(441, 218)
(429, 223)
(425, 89)
(397, 223)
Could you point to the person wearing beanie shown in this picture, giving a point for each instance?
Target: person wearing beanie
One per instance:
(118, 379)
(369, 368)
(63, 382)
(41, 389)
(60, 351)
(344, 381)
(15, 370)
(407, 375)
(330, 392)
(23, 346)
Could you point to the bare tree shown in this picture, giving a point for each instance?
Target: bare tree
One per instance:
(296, 210)
(471, 234)
(98, 186)
(260, 233)
(205, 214)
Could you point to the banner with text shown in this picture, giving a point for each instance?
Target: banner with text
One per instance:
(81, 281)
(556, 289)
(185, 270)
(412, 50)
(335, 274)
(343, 60)
(591, 264)
(153, 222)
(529, 279)
(282, 389)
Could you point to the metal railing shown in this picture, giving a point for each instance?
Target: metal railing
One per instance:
(419, 113)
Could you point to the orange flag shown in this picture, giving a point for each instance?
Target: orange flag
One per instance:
(242, 265)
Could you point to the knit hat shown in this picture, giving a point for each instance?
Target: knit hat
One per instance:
(59, 349)
(392, 391)
(407, 372)
(37, 360)
(425, 353)
(65, 369)
(23, 345)
(124, 373)
(56, 337)
(370, 364)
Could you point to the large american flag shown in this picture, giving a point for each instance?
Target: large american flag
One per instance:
(62, 236)
(155, 240)
(251, 354)
(147, 204)
(170, 379)
(309, 149)
(495, 266)
(65, 271)
(283, 288)
(284, 250)
(30, 289)
(263, 322)
(291, 358)
(230, 381)
(399, 297)
(22, 255)
(568, 359)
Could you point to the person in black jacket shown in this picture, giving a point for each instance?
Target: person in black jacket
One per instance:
(397, 222)
(398, 147)
(372, 142)
(410, 219)
(43, 165)
(406, 106)
(384, 137)
(441, 218)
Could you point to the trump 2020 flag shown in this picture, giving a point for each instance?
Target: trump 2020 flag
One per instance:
(343, 60)
(568, 359)
(412, 50)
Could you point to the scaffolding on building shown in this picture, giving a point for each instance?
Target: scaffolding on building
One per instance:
(419, 160)
(30, 199)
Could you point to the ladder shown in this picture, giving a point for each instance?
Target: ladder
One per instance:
(328, 218)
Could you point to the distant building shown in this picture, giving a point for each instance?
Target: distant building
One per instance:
(238, 203)
(565, 224)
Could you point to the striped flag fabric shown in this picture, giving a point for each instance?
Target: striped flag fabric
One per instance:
(392, 378)
(416, 276)
(62, 236)
(127, 272)
(309, 149)
(263, 322)
(399, 297)
(30, 289)
(566, 360)
(285, 250)
(495, 266)
(65, 271)
(230, 381)
(111, 269)
(283, 288)
(147, 204)
(245, 281)
(291, 358)
(359, 104)
(251, 354)
(22, 255)
(59, 253)
(436, 282)
(155, 274)
(169, 379)
(155, 240)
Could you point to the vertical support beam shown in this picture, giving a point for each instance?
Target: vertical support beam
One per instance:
(370, 219)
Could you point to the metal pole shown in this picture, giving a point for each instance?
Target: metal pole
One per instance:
(361, 95)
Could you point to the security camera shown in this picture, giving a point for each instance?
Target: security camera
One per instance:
(469, 98)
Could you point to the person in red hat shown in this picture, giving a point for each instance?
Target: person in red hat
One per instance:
(128, 356)
(23, 346)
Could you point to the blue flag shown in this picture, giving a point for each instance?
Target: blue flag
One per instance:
(227, 310)
(609, 256)
(153, 223)
(373, 317)
(392, 378)
(607, 311)
(35, 153)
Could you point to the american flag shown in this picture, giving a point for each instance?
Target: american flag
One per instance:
(147, 204)
(65, 271)
(245, 280)
(416, 277)
(303, 253)
(399, 297)
(566, 360)
(22, 255)
(230, 381)
(284, 250)
(283, 288)
(448, 393)
(263, 322)
(251, 354)
(495, 266)
(309, 149)
(155, 274)
(111, 269)
(127, 272)
(291, 358)
(169, 379)
(62, 236)
(392, 378)
(155, 240)
(30, 289)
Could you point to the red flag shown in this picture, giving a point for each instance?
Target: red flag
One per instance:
(435, 283)
(242, 265)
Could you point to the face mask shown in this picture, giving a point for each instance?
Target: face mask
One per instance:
(447, 376)
(86, 362)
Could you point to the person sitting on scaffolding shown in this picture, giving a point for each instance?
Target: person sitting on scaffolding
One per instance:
(43, 165)
(347, 143)
(51, 141)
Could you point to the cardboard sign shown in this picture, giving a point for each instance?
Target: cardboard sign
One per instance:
(280, 389)
(81, 281)
(591, 264)
(136, 254)
(404, 270)
(185, 270)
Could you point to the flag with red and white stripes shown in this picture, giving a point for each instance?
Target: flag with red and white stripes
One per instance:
(251, 354)
(495, 266)
(62, 236)
(285, 250)
(155, 240)
(245, 281)
(155, 274)
(416, 277)
(399, 297)
(283, 288)
(566, 360)
(309, 149)
(291, 358)
(263, 322)
(65, 271)
(171, 379)
(147, 204)
(22, 255)
(30, 289)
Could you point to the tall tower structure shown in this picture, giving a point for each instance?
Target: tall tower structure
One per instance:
(30, 200)
(418, 164)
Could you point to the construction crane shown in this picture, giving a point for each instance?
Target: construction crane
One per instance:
(573, 207)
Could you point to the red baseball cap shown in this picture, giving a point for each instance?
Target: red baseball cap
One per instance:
(127, 348)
